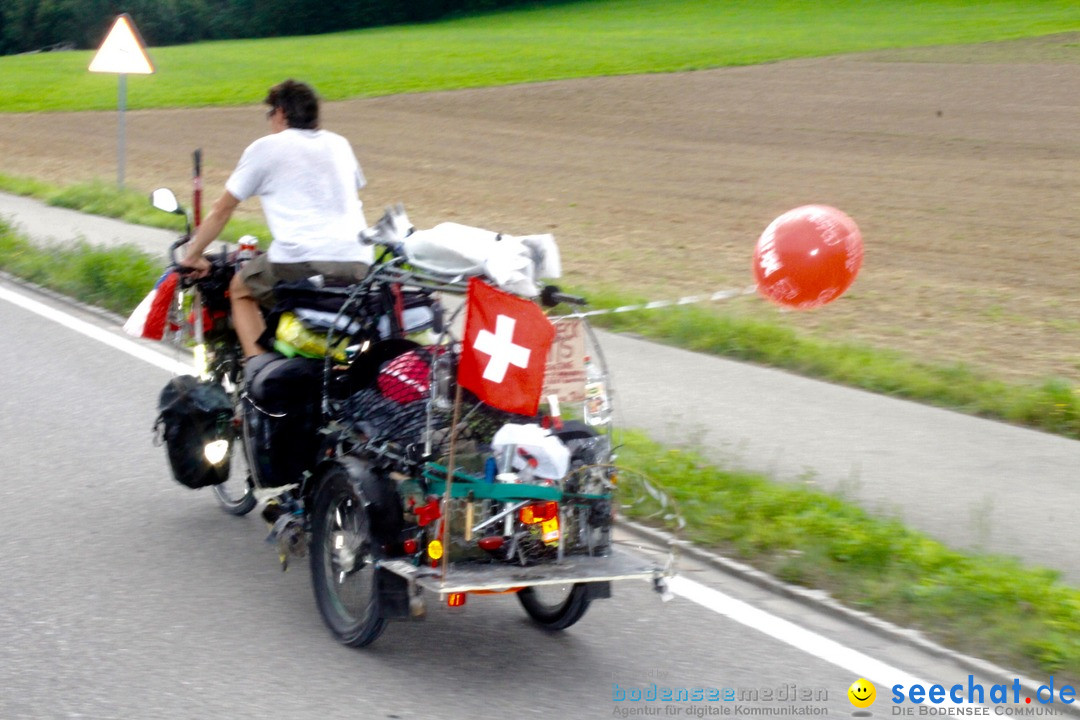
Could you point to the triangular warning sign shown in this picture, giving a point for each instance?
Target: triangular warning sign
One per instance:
(123, 51)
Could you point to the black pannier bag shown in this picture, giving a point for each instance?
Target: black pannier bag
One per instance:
(192, 414)
(283, 412)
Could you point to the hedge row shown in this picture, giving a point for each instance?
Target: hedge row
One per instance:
(34, 25)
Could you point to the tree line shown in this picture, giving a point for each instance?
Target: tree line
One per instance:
(35, 25)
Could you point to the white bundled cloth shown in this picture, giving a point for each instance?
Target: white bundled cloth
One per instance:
(512, 263)
(552, 456)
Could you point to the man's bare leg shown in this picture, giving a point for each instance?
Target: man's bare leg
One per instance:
(247, 317)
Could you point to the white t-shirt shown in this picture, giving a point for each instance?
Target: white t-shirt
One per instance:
(307, 181)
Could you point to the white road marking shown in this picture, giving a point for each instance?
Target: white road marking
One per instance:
(858, 664)
(855, 662)
(113, 340)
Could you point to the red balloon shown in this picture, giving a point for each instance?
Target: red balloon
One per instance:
(808, 257)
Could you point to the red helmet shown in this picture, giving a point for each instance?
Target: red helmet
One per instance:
(406, 378)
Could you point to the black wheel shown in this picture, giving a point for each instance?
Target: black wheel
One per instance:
(236, 495)
(343, 562)
(555, 607)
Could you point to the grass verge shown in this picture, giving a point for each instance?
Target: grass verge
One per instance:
(985, 605)
(527, 44)
(114, 278)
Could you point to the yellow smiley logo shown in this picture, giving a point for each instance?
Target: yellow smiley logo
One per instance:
(861, 693)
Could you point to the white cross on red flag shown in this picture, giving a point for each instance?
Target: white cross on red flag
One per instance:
(505, 351)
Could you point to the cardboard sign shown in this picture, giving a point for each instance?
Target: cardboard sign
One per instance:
(565, 372)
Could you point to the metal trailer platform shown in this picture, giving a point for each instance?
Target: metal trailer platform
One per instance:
(464, 577)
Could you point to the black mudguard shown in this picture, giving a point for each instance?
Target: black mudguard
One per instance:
(379, 494)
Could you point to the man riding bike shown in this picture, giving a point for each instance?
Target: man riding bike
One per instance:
(307, 180)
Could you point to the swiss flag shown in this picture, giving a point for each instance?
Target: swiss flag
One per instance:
(507, 339)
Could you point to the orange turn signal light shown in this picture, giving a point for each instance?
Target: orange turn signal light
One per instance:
(539, 512)
(455, 599)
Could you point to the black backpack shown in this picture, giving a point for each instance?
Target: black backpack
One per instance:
(194, 413)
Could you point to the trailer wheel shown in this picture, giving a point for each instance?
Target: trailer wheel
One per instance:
(555, 607)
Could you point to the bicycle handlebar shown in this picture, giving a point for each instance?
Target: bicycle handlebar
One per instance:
(180, 242)
(551, 296)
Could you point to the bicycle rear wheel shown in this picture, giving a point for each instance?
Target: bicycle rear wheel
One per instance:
(344, 556)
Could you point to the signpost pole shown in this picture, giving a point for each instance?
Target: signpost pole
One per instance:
(122, 104)
(123, 52)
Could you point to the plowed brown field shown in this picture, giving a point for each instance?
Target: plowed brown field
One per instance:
(961, 166)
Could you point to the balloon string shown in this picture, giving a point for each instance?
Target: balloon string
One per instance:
(656, 304)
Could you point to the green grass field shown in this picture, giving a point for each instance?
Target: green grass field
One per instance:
(584, 39)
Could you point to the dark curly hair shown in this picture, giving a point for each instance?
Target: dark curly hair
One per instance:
(298, 100)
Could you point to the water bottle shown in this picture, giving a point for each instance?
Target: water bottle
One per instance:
(505, 469)
(442, 382)
(248, 244)
(597, 406)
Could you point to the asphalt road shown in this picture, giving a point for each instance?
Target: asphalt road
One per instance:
(124, 595)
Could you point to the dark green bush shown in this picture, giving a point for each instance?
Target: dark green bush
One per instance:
(31, 25)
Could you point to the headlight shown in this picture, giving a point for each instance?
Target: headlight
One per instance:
(216, 451)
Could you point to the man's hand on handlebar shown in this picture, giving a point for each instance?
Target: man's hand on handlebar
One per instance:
(197, 267)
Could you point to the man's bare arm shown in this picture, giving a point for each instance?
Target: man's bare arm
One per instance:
(208, 231)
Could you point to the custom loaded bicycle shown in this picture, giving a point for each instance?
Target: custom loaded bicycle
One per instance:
(426, 431)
